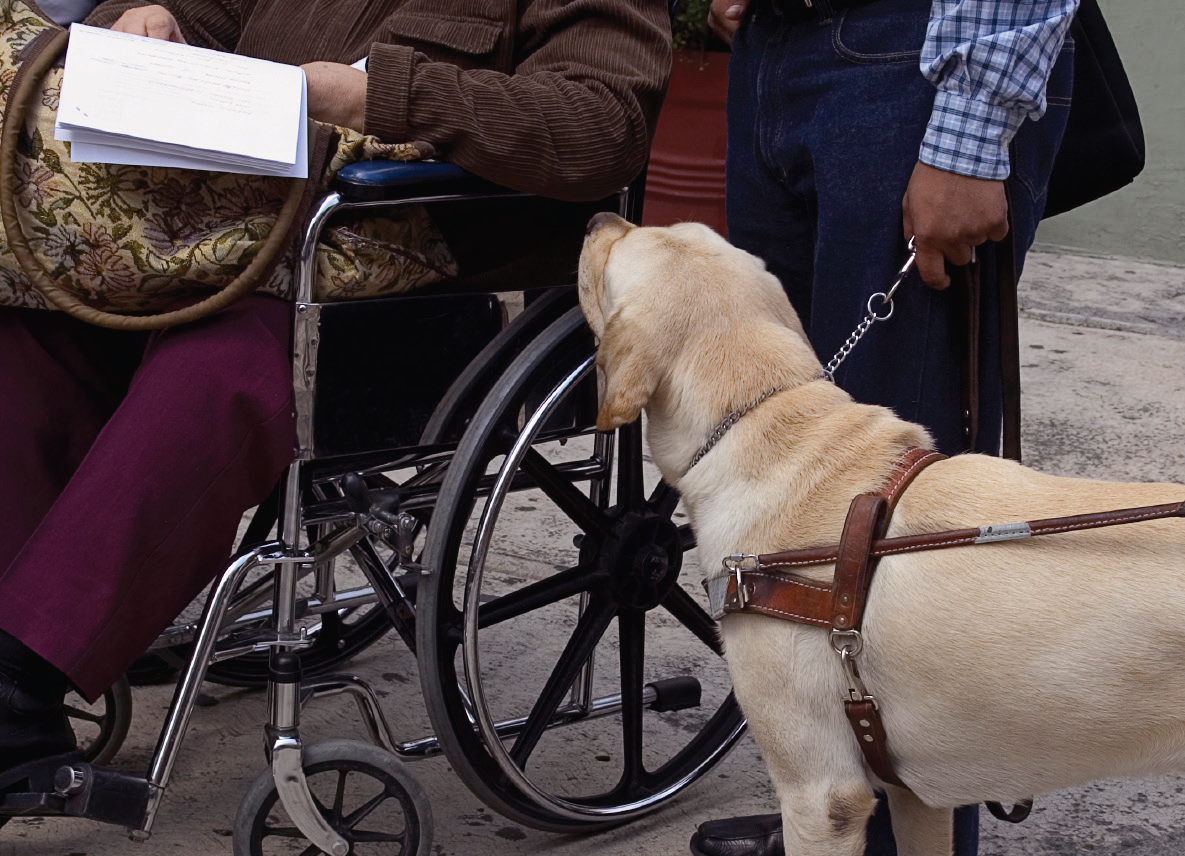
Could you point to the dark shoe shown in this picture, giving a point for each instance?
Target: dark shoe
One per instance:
(755, 835)
(31, 727)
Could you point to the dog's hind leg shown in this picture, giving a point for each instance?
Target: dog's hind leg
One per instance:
(918, 829)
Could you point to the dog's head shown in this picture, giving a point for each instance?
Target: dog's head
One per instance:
(681, 313)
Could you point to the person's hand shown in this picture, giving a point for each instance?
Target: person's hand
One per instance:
(337, 94)
(948, 215)
(156, 22)
(724, 16)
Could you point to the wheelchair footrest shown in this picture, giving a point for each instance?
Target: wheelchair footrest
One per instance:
(678, 693)
(79, 790)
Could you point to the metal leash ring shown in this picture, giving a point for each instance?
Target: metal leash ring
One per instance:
(871, 316)
(886, 305)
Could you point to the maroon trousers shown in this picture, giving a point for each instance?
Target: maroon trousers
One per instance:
(126, 463)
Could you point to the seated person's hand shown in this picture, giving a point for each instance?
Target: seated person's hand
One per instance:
(337, 94)
(156, 22)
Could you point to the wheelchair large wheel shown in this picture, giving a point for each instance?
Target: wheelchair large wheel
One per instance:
(364, 792)
(572, 677)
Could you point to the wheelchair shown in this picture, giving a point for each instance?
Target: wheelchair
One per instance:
(437, 437)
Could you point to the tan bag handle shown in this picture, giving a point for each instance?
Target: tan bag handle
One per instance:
(25, 90)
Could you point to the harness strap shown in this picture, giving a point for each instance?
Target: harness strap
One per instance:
(755, 584)
(867, 519)
(865, 719)
(784, 595)
(840, 606)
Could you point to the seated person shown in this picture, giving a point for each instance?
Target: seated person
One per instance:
(127, 459)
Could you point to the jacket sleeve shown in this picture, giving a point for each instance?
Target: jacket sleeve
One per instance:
(990, 60)
(205, 23)
(574, 117)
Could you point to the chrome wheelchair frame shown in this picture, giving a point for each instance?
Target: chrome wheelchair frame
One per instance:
(629, 561)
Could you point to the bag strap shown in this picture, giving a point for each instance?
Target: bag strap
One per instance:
(26, 88)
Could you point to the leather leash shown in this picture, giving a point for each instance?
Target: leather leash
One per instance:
(1008, 311)
(765, 585)
(1009, 308)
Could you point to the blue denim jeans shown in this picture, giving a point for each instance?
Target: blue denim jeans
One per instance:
(825, 122)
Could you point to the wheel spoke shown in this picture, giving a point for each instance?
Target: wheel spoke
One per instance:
(582, 510)
(364, 810)
(321, 807)
(692, 616)
(86, 715)
(663, 500)
(631, 626)
(630, 484)
(686, 537)
(726, 720)
(360, 836)
(589, 630)
(537, 595)
(282, 832)
(339, 799)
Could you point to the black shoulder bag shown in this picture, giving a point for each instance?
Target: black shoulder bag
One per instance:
(1103, 146)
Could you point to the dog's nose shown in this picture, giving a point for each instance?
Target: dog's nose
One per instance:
(599, 219)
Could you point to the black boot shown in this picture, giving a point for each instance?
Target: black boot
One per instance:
(33, 721)
(755, 835)
(31, 727)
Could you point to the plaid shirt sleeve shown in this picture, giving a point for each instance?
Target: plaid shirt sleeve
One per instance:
(990, 60)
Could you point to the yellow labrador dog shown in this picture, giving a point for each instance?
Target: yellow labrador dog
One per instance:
(1002, 670)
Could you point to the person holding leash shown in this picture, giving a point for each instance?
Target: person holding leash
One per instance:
(853, 127)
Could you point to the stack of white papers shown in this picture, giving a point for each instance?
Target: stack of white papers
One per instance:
(132, 100)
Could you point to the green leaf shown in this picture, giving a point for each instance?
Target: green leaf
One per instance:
(45, 215)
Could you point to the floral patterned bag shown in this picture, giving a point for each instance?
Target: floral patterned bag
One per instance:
(110, 242)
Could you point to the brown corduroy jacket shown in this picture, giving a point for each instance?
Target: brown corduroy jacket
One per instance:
(555, 97)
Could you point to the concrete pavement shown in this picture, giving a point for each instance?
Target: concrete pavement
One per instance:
(1103, 352)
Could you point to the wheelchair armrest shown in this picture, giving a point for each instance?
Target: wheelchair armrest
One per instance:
(371, 181)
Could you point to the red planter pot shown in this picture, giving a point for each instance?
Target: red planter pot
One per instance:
(685, 180)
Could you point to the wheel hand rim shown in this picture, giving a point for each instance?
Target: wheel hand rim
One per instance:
(631, 494)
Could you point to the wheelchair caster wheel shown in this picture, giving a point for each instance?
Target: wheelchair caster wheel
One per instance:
(364, 792)
(101, 727)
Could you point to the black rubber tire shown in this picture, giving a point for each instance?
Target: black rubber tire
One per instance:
(102, 727)
(334, 762)
(557, 353)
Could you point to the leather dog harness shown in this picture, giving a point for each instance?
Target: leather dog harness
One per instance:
(766, 585)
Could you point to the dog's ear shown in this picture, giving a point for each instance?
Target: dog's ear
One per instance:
(631, 374)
